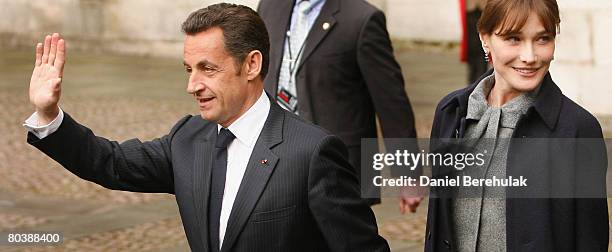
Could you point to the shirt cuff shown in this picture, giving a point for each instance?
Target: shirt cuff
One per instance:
(42, 131)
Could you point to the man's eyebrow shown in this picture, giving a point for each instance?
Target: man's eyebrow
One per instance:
(202, 64)
(206, 64)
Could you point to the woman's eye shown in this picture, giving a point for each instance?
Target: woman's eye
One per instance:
(544, 39)
(513, 39)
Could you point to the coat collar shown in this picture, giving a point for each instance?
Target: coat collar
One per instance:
(317, 32)
(547, 103)
(277, 28)
(272, 132)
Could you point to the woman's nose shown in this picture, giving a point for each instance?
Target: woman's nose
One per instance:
(527, 54)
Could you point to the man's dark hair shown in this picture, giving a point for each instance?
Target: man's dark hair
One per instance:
(243, 30)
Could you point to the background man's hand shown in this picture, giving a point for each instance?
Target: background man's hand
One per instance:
(45, 84)
(410, 198)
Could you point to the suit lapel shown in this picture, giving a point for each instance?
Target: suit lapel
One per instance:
(201, 179)
(318, 32)
(278, 25)
(259, 169)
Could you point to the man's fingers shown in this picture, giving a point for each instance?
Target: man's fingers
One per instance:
(39, 53)
(60, 57)
(409, 204)
(413, 206)
(46, 48)
(53, 50)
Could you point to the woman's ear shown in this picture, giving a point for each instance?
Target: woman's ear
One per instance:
(253, 63)
(484, 40)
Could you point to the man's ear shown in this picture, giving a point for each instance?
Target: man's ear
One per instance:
(253, 62)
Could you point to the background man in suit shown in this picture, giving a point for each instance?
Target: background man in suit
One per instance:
(247, 175)
(332, 63)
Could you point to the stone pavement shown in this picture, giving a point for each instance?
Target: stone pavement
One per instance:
(122, 97)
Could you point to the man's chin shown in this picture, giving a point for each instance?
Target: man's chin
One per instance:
(207, 117)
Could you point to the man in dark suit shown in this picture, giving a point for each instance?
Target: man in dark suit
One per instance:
(247, 175)
(339, 72)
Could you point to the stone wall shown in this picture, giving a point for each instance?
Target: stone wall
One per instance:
(142, 27)
(583, 65)
(583, 58)
(151, 27)
(424, 20)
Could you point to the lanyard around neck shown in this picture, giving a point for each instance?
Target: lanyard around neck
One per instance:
(294, 61)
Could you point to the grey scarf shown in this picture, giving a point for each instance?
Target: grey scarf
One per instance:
(480, 217)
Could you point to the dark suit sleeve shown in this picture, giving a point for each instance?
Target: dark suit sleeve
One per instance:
(130, 166)
(346, 221)
(383, 78)
(592, 230)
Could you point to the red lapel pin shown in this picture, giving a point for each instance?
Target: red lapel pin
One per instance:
(264, 161)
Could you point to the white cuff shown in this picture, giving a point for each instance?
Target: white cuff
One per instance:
(42, 131)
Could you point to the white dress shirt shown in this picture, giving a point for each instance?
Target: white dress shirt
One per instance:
(42, 131)
(246, 129)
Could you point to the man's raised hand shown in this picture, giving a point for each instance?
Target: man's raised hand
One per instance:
(45, 84)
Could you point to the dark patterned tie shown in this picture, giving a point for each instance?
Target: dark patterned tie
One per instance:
(217, 186)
